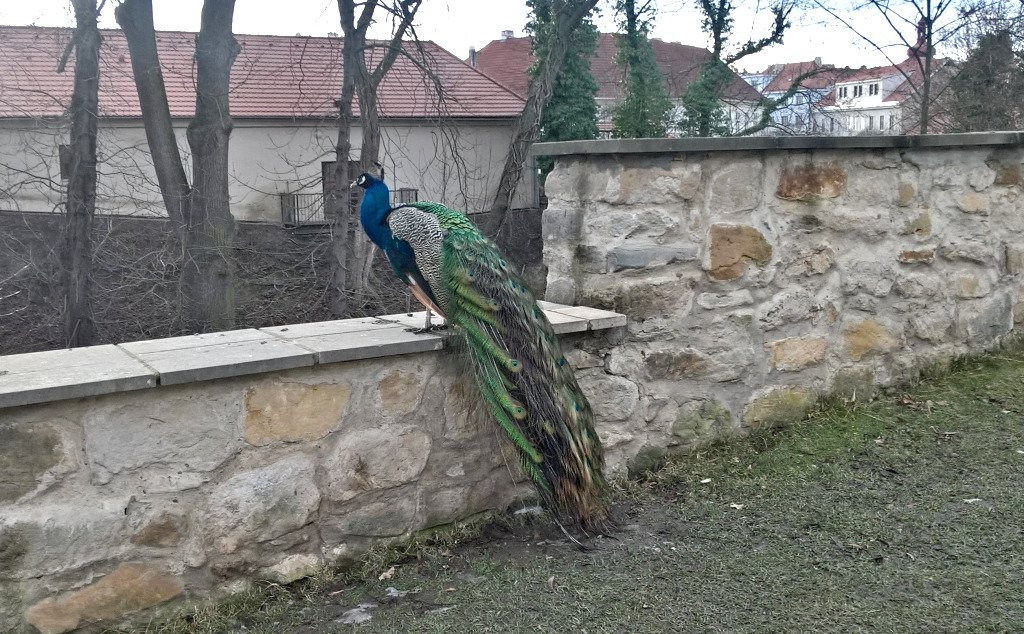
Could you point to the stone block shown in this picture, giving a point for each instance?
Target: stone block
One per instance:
(40, 377)
(400, 391)
(814, 262)
(791, 305)
(218, 355)
(376, 458)
(1015, 258)
(712, 301)
(796, 353)
(1008, 174)
(595, 318)
(971, 202)
(161, 530)
(981, 178)
(732, 246)
(982, 322)
(674, 365)
(778, 405)
(920, 225)
(978, 249)
(863, 272)
(612, 398)
(905, 194)
(735, 187)
(128, 588)
(170, 430)
(261, 504)
(292, 568)
(27, 452)
(970, 286)
(641, 256)
(279, 411)
(650, 296)
(915, 284)
(917, 256)
(57, 537)
(807, 181)
(701, 422)
(384, 514)
(933, 324)
(866, 337)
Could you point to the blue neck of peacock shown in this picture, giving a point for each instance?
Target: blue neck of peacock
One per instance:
(374, 211)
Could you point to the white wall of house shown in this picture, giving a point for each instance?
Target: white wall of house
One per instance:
(458, 164)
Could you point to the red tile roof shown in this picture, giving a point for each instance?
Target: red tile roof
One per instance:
(507, 61)
(909, 70)
(783, 75)
(273, 77)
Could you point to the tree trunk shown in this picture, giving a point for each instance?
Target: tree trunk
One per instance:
(568, 16)
(76, 251)
(208, 266)
(926, 80)
(135, 17)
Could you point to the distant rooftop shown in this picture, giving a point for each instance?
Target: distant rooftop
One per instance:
(508, 60)
(273, 77)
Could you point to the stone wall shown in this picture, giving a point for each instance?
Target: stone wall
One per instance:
(757, 278)
(135, 474)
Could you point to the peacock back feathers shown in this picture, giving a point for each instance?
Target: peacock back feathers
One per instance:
(525, 381)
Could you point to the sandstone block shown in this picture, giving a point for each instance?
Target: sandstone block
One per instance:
(732, 247)
(917, 256)
(933, 325)
(778, 405)
(978, 250)
(261, 504)
(175, 430)
(807, 181)
(375, 458)
(674, 365)
(1015, 258)
(385, 514)
(866, 337)
(276, 411)
(905, 194)
(128, 588)
(973, 203)
(27, 451)
(971, 286)
(700, 422)
(292, 568)
(1008, 174)
(796, 353)
(400, 391)
(163, 530)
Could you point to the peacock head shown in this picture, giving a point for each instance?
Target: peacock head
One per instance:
(364, 180)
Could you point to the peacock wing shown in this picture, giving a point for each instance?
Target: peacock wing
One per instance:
(529, 387)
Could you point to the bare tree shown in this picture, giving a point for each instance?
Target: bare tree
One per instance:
(76, 248)
(201, 209)
(934, 23)
(358, 80)
(568, 15)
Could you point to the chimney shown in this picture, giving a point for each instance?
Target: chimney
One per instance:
(817, 61)
(472, 56)
(506, 35)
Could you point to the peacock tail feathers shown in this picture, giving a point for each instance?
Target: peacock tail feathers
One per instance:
(523, 378)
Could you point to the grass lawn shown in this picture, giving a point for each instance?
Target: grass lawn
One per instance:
(904, 515)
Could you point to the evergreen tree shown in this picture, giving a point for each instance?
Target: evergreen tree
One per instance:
(571, 112)
(645, 108)
(703, 114)
(988, 91)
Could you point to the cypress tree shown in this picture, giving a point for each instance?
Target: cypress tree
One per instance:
(645, 108)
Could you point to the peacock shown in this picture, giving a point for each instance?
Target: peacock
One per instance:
(522, 376)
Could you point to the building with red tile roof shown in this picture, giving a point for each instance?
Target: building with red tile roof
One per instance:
(508, 60)
(814, 81)
(283, 103)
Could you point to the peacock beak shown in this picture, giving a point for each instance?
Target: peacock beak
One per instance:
(352, 184)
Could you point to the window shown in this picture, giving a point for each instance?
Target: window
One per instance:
(785, 119)
(798, 120)
(842, 92)
(64, 153)
(871, 123)
(873, 89)
(892, 121)
(858, 91)
(831, 125)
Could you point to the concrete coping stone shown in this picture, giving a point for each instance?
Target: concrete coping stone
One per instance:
(731, 144)
(54, 375)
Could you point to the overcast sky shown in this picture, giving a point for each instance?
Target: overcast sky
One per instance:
(460, 24)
